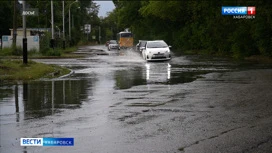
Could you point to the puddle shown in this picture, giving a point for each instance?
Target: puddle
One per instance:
(41, 98)
(163, 73)
(107, 73)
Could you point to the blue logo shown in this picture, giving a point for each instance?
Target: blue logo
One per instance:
(234, 10)
(47, 141)
(58, 141)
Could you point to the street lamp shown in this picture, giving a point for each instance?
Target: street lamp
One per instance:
(63, 27)
(73, 25)
(52, 42)
(24, 35)
(70, 20)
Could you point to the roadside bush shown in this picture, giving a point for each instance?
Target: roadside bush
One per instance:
(45, 46)
(69, 49)
(5, 51)
(18, 51)
(33, 52)
(52, 52)
(45, 43)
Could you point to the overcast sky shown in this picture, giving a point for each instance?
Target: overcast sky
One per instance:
(105, 6)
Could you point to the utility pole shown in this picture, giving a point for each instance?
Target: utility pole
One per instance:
(14, 25)
(99, 35)
(70, 20)
(70, 24)
(52, 42)
(63, 26)
(24, 35)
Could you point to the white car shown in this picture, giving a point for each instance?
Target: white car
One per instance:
(113, 45)
(156, 50)
(140, 45)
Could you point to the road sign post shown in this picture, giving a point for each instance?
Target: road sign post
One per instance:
(87, 30)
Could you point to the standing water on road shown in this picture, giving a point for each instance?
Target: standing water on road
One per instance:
(117, 102)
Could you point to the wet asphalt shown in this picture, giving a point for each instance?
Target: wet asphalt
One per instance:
(115, 102)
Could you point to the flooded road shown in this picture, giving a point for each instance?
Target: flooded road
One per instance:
(116, 102)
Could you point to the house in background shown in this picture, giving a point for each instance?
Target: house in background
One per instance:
(30, 31)
(32, 34)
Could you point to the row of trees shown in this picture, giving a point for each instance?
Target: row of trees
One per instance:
(186, 25)
(199, 25)
(82, 12)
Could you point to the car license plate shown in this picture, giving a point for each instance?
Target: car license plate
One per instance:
(160, 55)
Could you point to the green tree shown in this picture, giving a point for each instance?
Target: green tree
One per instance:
(199, 25)
(82, 12)
(6, 17)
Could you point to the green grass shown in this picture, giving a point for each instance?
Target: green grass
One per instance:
(69, 50)
(16, 70)
(11, 51)
(260, 59)
(5, 52)
(35, 53)
(8, 53)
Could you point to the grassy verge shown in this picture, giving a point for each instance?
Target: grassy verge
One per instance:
(9, 53)
(205, 52)
(254, 58)
(16, 70)
(260, 59)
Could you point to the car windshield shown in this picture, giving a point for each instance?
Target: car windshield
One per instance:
(126, 34)
(142, 44)
(113, 42)
(157, 44)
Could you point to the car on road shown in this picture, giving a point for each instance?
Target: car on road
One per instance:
(107, 43)
(141, 45)
(125, 39)
(113, 45)
(156, 50)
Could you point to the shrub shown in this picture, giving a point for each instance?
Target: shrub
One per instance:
(18, 51)
(5, 51)
(52, 52)
(45, 43)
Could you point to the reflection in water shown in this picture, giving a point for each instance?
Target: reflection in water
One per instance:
(16, 99)
(42, 98)
(153, 73)
(147, 71)
(53, 96)
(63, 91)
(17, 104)
(125, 79)
(158, 72)
(25, 94)
(168, 71)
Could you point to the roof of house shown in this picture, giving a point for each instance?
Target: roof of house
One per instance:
(34, 29)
